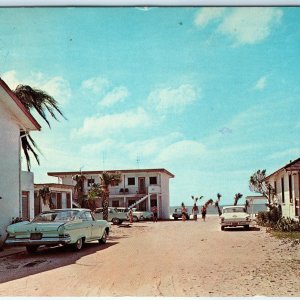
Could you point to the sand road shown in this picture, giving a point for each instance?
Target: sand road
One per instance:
(172, 258)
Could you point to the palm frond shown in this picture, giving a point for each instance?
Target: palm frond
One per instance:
(27, 148)
(210, 201)
(38, 99)
(237, 197)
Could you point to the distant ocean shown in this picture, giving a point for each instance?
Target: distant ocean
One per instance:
(212, 210)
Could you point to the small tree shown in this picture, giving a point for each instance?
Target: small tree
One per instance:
(106, 180)
(237, 197)
(258, 184)
(94, 193)
(196, 199)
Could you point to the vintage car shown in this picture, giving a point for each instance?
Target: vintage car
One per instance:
(72, 227)
(114, 216)
(139, 215)
(177, 214)
(233, 216)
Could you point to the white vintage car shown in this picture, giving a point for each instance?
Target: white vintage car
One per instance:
(136, 214)
(114, 215)
(233, 216)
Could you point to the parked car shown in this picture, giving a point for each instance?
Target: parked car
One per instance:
(177, 214)
(137, 215)
(233, 216)
(114, 216)
(72, 227)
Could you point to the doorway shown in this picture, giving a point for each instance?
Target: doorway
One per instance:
(142, 185)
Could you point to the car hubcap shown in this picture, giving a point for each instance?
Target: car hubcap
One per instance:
(79, 243)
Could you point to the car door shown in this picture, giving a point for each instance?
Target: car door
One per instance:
(86, 225)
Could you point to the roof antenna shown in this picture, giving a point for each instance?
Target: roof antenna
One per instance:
(138, 161)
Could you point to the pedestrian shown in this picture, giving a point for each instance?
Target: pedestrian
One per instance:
(203, 212)
(130, 215)
(195, 211)
(154, 210)
(183, 212)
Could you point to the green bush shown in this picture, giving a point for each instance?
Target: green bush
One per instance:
(268, 218)
(287, 225)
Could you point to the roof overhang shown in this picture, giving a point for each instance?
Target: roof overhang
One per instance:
(292, 166)
(59, 174)
(17, 109)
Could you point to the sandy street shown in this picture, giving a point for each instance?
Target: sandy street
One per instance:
(171, 258)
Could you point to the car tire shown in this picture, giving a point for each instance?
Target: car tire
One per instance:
(247, 227)
(135, 219)
(31, 249)
(222, 228)
(104, 238)
(142, 218)
(115, 221)
(78, 245)
(175, 218)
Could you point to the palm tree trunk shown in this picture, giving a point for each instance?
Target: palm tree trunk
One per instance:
(105, 205)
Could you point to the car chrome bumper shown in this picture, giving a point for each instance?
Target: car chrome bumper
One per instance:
(43, 241)
(237, 223)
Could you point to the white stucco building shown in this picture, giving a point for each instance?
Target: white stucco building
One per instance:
(286, 184)
(13, 118)
(150, 184)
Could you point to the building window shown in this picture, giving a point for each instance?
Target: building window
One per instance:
(131, 181)
(153, 180)
(282, 189)
(91, 181)
(115, 203)
(290, 188)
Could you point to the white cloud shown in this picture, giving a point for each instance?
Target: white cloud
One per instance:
(96, 84)
(150, 146)
(261, 83)
(207, 15)
(182, 150)
(98, 147)
(57, 86)
(173, 100)
(249, 25)
(118, 94)
(114, 123)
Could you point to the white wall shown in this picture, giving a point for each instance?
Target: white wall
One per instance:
(27, 186)
(165, 196)
(9, 170)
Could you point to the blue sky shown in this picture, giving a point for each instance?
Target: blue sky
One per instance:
(210, 94)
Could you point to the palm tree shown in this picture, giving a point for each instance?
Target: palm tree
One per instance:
(106, 180)
(237, 197)
(217, 204)
(39, 100)
(79, 188)
(208, 202)
(258, 184)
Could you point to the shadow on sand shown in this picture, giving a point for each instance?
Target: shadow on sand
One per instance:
(241, 229)
(45, 259)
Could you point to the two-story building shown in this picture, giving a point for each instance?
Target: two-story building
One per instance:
(16, 187)
(286, 184)
(149, 186)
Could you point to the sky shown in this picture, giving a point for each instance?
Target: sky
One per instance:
(211, 94)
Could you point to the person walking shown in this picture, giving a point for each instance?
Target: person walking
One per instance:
(154, 210)
(130, 215)
(183, 212)
(203, 212)
(195, 211)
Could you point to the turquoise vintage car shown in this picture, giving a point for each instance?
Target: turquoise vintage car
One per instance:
(71, 227)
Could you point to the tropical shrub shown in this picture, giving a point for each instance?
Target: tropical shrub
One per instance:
(287, 225)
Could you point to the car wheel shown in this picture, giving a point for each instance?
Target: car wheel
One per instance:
(175, 218)
(222, 227)
(247, 227)
(104, 238)
(115, 221)
(142, 218)
(135, 219)
(78, 245)
(31, 249)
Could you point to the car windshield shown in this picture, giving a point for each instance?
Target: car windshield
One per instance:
(56, 216)
(234, 209)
